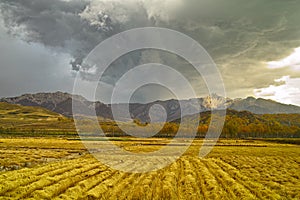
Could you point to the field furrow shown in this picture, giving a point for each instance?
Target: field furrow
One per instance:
(60, 187)
(48, 179)
(99, 191)
(28, 176)
(141, 189)
(228, 173)
(257, 189)
(187, 182)
(209, 185)
(80, 189)
(233, 188)
(103, 189)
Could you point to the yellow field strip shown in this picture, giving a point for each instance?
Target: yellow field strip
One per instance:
(24, 181)
(190, 177)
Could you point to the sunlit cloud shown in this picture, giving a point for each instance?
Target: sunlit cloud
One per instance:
(287, 92)
(292, 61)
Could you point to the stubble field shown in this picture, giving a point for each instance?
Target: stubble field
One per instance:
(53, 168)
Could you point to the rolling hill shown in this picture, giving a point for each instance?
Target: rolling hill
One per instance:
(240, 124)
(17, 118)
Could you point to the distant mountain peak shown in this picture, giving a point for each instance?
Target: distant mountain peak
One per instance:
(61, 102)
(214, 101)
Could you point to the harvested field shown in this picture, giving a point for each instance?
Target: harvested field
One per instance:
(271, 171)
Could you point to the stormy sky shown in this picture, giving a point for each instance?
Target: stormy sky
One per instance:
(255, 44)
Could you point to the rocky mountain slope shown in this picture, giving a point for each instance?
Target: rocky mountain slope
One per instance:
(262, 106)
(62, 103)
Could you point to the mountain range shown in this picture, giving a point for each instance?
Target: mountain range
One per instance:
(61, 103)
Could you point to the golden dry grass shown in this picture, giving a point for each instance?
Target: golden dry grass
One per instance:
(261, 171)
(20, 152)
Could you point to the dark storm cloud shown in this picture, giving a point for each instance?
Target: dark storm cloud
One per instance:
(242, 36)
(54, 23)
(27, 68)
(59, 24)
